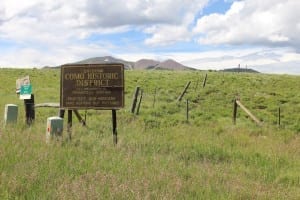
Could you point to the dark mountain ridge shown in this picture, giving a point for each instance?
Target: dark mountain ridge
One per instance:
(106, 59)
(142, 64)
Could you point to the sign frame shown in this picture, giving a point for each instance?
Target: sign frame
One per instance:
(22, 81)
(103, 82)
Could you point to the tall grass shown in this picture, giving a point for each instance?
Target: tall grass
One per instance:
(159, 155)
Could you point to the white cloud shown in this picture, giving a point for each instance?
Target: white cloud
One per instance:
(46, 32)
(32, 57)
(92, 15)
(45, 23)
(264, 60)
(266, 23)
(165, 35)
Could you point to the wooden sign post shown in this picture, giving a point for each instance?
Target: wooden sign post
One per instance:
(114, 124)
(69, 124)
(92, 86)
(24, 90)
(29, 109)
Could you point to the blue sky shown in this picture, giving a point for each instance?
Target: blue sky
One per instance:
(205, 34)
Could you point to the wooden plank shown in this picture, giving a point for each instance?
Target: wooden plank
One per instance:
(184, 91)
(52, 105)
(248, 112)
(79, 117)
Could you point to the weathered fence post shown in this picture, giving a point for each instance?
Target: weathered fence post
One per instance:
(134, 101)
(187, 110)
(204, 81)
(184, 91)
(279, 116)
(234, 111)
(69, 124)
(154, 99)
(139, 104)
(114, 124)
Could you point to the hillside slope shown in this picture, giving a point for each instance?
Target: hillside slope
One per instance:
(171, 150)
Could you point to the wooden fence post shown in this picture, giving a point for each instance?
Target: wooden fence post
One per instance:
(204, 81)
(154, 99)
(184, 91)
(139, 104)
(187, 110)
(234, 111)
(279, 116)
(134, 101)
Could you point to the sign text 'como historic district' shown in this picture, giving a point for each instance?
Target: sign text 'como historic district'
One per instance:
(92, 86)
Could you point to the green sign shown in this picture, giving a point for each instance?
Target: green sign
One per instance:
(26, 89)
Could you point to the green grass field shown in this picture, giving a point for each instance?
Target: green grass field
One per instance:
(160, 155)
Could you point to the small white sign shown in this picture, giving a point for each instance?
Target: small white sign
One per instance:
(25, 96)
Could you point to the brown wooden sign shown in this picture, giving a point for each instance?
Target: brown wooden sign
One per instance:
(92, 86)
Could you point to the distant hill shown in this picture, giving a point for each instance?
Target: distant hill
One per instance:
(156, 65)
(106, 59)
(146, 64)
(242, 70)
(171, 65)
(143, 64)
